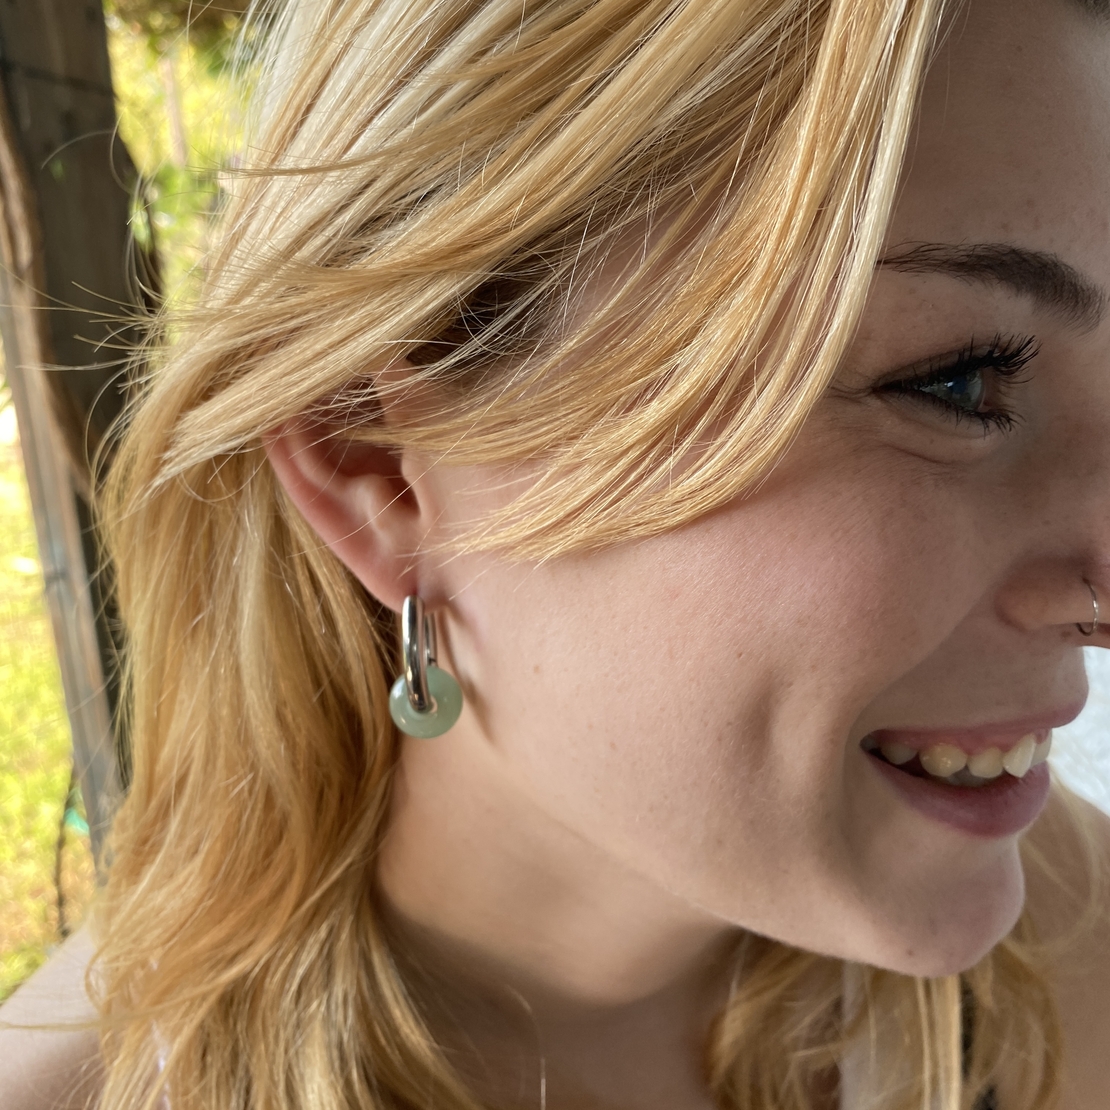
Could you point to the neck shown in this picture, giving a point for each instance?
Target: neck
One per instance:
(544, 964)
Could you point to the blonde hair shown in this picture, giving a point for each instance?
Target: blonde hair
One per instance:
(435, 180)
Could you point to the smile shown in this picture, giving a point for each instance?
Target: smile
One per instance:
(961, 763)
(986, 782)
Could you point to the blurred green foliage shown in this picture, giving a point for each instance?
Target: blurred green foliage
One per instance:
(211, 25)
(180, 111)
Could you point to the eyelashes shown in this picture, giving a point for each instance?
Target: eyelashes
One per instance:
(970, 384)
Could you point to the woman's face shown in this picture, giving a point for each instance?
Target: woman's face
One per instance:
(695, 710)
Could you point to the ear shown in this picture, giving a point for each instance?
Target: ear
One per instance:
(359, 501)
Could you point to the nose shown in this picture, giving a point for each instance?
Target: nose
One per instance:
(1054, 519)
(1092, 627)
(1059, 522)
(1073, 599)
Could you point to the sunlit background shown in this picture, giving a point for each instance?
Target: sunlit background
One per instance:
(1081, 752)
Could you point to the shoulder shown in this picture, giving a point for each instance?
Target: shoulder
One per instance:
(1068, 875)
(43, 1068)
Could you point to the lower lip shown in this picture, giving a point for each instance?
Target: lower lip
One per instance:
(1002, 807)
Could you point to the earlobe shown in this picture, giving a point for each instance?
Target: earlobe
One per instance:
(357, 500)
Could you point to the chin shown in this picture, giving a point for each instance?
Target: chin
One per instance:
(955, 926)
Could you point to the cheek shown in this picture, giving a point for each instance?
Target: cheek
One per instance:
(695, 692)
(689, 704)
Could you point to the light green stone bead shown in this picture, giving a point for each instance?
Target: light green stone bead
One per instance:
(447, 702)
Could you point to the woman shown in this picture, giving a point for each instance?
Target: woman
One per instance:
(726, 381)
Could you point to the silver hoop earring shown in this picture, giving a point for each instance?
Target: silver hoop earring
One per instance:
(425, 701)
(1094, 618)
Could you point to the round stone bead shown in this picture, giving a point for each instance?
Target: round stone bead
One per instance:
(447, 701)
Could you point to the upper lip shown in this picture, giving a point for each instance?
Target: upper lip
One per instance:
(979, 737)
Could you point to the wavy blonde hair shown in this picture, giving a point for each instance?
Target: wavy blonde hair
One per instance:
(435, 179)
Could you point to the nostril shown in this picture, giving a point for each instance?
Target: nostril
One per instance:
(1051, 595)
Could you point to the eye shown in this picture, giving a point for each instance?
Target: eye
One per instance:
(966, 390)
(970, 384)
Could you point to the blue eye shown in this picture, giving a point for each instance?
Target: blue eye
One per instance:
(965, 391)
(969, 384)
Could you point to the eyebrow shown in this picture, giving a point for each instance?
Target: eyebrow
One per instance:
(1044, 277)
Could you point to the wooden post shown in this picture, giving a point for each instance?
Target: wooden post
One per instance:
(53, 494)
(65, 287)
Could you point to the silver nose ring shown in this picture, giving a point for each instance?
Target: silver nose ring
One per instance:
(1093, 627)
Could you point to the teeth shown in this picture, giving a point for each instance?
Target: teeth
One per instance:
(986, 765)
(946, 761)
(896, 753)
(965, 778)
(1040, 752)
(943, 760)
(1019, 758)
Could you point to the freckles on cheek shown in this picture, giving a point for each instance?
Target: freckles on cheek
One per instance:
(870, 577)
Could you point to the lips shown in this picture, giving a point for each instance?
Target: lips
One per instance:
(1000, 808)
(988, 781)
